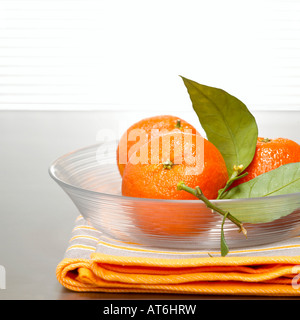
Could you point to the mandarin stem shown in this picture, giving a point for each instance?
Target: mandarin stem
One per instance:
(178, 124)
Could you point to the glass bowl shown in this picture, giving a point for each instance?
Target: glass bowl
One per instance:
(91, 178)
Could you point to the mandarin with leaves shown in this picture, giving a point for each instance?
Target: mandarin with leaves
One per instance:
(269, 155)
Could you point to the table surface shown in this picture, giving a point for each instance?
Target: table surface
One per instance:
(36, 215)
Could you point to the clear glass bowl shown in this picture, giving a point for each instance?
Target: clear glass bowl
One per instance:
(91, 178)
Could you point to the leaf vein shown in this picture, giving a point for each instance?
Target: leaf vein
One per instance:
(281, 188)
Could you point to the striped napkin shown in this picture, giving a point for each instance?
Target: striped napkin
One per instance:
(95, 263)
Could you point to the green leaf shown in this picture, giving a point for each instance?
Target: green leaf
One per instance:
(224, 247)
(227, 122)
(283, 180)
(280, 181)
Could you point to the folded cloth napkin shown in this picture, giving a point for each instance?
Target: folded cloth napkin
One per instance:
(95, 263)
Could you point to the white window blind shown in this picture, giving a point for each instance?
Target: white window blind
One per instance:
(115, 54)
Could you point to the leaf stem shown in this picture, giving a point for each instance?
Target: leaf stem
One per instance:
(224, 247)
(234, 176)
(199, 194)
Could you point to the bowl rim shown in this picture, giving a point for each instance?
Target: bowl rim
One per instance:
(116, 196)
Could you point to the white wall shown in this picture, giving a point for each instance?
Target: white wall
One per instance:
(127, 54)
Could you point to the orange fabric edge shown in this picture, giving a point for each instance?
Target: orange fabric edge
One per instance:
(85, 280)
